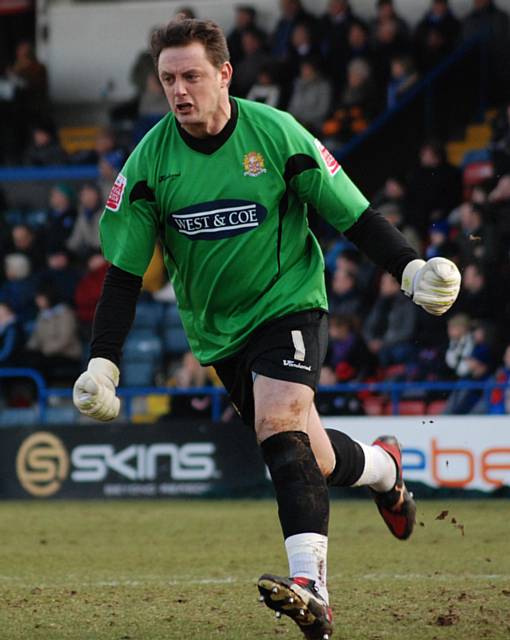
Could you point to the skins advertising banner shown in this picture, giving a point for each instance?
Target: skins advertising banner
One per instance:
(207, 459)
(115, 461)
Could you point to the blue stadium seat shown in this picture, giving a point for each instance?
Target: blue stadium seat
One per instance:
(175, 341)
(61, 415)
(18, 417)
(149, 315)
(142, 346)
(138, 374)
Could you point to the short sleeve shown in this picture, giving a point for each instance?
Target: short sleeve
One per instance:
(128, 228)
(318, 179)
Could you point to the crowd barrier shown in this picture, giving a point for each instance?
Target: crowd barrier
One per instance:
(395, 392)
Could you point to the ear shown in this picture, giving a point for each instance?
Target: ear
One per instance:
(226, 72)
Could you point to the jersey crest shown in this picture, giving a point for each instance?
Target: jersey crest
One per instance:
(329, 160)
(254, 164)
(115, 197)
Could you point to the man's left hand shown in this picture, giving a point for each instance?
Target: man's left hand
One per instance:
(433, 285)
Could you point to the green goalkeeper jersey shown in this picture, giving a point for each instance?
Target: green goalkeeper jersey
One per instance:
(231, 214)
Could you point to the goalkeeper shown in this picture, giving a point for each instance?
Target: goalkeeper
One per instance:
(225, 184)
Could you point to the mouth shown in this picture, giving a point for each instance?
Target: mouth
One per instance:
(183, 108)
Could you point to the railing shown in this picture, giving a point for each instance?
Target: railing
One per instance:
(394, 390)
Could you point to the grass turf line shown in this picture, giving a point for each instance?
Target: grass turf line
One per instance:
(153, 570)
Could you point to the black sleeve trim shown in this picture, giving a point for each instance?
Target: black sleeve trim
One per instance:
(381, 242)
(141, 191)
(115, 313)
(296, 164)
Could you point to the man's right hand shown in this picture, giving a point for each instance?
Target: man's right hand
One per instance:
(94, 391)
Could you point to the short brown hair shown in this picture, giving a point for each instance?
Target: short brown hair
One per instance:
(181, 32)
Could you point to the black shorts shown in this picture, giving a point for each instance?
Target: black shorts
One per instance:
(291, 348)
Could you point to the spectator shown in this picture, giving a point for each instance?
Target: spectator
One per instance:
(292, 14)
(18, 288)
(460, 345)
(54, 348)
(310, 100)
(109, 166)
(88, 291)
(303, 48)
(61, 215)
(44, 149)
(403, 77)
(344, 296)
(436, 35)
(393, 215)
(25, 240)
(190, 374)
(348, 355)
(500, 144)
(474, 299)
(59, 275)
(390, 326)
(333, 35)
(438, 239)
(334, 403)
(151, 108)
(500, 397)
(355, 106)
(462, 401)
(85, 233)
(245, 18)
(434, 187)
(385, 10)
(266, 90)
(487, 19)
(476, 238)
(498, 209)
(388, 44)
(255, 58)
(12, 337)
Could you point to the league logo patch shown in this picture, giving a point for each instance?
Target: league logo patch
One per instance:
(115, 197)
(254, 164)
(331, 164)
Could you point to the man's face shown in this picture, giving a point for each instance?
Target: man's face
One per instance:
(193, 86)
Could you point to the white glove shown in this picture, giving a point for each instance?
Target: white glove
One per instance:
(94, 391)
(433, 285)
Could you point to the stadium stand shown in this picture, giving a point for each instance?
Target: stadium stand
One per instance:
(471, 145)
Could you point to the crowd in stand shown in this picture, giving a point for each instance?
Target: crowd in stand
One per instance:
(334, 73)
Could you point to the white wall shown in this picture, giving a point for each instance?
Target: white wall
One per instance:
(92, 45)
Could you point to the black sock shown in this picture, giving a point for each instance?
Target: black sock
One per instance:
(350, 459)
(301, 490)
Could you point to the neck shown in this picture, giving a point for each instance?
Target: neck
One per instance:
(215, 124)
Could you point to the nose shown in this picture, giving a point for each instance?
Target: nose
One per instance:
(180, 87)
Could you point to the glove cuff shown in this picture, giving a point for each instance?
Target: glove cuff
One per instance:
(102, 366)
(409, 274)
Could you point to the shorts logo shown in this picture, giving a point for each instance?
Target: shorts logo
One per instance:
(218, 219)
(115, 198)
(331, 164)
(254, 164)
(296, 365)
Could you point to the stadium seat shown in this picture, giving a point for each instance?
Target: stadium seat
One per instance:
(61, 415)
(142, 345)
(149, 315)
(374, 405)
(476, 173)
(175, 341)
(436, 407)
(412, 408)
(138, 374)
(18, 417)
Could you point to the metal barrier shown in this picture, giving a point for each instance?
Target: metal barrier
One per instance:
(394, 390)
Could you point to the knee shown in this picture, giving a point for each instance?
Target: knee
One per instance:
(292, 417)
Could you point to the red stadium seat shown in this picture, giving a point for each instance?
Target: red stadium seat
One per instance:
(476, 173)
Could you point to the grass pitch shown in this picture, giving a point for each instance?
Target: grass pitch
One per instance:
(153, 570)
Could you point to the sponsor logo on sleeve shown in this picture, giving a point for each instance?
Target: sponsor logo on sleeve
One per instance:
(254, 164)
(115, 198)
(218, 219)
(329, 160)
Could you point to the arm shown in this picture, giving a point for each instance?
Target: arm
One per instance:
(128, 231)
(321, 182)
(94, 391)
